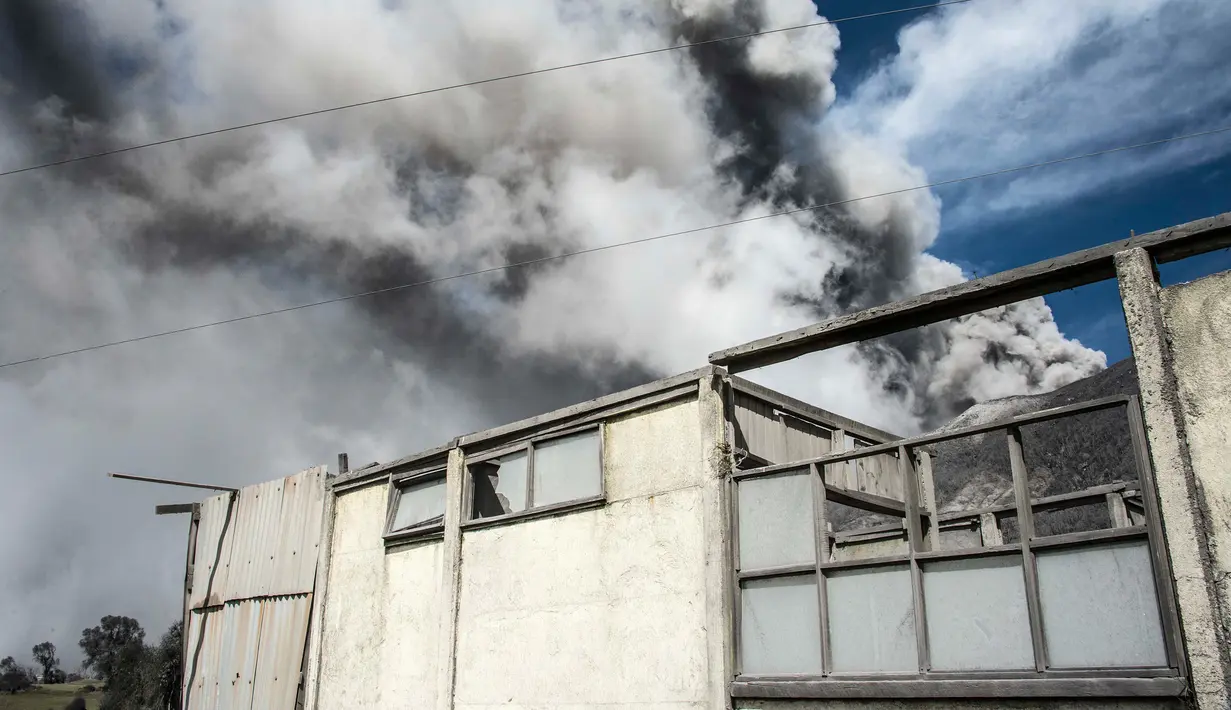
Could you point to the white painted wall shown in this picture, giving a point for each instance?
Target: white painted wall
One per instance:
(1198, 319)
(599, 608)
(1084, 704)
(382, 612)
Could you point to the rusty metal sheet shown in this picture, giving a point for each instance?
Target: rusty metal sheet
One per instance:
(222, 659)
(201, 664)
(246, 634)
(214, 535)
(241, 628)
(247, 655)
(805, 440)
(284, 631)
(299, 533)
(264, 544)
(257, 519)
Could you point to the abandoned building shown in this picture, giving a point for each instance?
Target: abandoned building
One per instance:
(705, 542)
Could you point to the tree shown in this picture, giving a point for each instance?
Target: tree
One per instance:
(14, 678)
(116, 644)
(165, 666)
(45, 657)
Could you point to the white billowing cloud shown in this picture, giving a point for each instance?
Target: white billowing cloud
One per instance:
(447, 182)
(983, 86)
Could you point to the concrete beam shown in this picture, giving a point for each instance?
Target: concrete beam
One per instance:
(450, 583)
(719, 572)
(1038, 279)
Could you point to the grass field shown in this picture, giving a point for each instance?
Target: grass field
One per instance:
(50, 697)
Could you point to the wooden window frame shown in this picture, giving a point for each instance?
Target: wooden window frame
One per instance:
(530, 512)
(431, 529)
(919, 520)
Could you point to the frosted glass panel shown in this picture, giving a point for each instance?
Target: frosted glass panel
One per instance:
(567, 469)
(976, 614)
(872, 620)
(419, 503)
(1100, 607)
(780, 626)
(776, 522)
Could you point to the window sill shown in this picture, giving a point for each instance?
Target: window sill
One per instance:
(404, 537)
(1109, 687)
(546, 511)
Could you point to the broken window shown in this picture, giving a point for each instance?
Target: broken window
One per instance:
(541, 473)
(500, 485)
(417, 505)
(862, 583)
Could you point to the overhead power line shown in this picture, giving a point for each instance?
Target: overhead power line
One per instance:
(478, 82)
(592, 250)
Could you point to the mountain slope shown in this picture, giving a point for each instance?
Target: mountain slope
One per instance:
(1062, 456)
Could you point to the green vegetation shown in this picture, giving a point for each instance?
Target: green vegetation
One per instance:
(133, 676)
(53, 697)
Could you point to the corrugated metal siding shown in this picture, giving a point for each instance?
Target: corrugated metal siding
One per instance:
(250, 654)
(270, 543)
(241, 626)
(201, 663)
(761, 432)
(214, 535)
(299, 533)
(284, 628)
(226, 663)
(257, 519)
(782, 438)
(248, 630)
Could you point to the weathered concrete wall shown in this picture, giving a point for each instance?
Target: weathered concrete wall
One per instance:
(382, 612)
(599, 608)
(1198, 321)
(1084, 704)
(1179, 495)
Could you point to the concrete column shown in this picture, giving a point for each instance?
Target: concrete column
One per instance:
(1183, 529)
(716, 465)
(446, 665)
(320, 595)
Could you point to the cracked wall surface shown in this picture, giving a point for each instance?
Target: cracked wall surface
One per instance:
(603, 607)
(1184, 515)
(381, 617)
(1198, 320)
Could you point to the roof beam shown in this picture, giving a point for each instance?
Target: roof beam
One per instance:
(169, 482)
(1038, 279)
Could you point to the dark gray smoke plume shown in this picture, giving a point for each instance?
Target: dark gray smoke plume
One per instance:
(404, 192)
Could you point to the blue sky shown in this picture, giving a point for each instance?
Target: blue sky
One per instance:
(1175, 192)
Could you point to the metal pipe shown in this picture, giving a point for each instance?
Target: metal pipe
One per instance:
(169, 482)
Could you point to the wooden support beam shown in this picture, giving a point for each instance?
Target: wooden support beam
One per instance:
(927, 490)
(1117, 511)
(865, 501)
(989, 530)
(1038, 279)
(169, 482)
